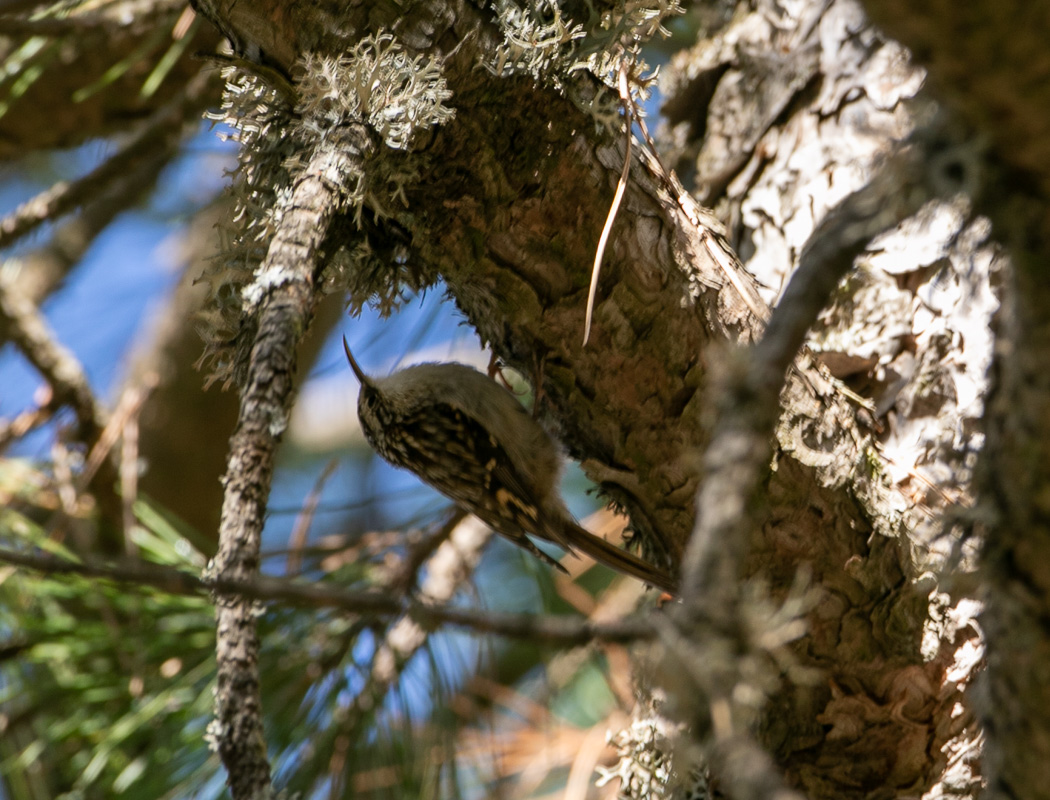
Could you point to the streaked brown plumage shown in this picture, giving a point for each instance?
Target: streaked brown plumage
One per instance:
(465, 435)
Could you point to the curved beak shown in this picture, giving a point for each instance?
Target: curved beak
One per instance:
(353, 365)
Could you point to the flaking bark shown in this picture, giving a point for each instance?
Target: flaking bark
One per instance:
(989, 61)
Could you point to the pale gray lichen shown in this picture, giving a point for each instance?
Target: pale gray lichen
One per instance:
(646, 765)
(214, 733)
(533, 45)
(378, 84)
(259, 118)
(541, 40)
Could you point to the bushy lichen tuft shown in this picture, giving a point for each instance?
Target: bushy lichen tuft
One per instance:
(534, 44)
(644, 768)
(259, 118)
(541, 40)
(384, 281)
(398, 94)
(377, 85)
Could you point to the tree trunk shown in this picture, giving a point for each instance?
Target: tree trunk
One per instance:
(781, 114)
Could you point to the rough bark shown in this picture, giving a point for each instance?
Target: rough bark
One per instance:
(801, 107)
(989, 62)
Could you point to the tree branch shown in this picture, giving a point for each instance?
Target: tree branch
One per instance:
(38, 272)
(986, 60)
(561, 631)
(286, 281)
(64, 196)
(23, 324)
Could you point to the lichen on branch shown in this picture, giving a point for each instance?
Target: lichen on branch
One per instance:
(374, 100)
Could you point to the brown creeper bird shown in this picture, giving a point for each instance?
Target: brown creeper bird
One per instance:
(465, 435)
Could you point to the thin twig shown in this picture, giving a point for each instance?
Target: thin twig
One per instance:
(23, 324)
(458, 545)
(621, 187)
(36, 273)
(555, 630)
(304, 519)
(134, 398)
(130, 404)
(452, 564)
(24, 422)
(404, 575)
(66, 195)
